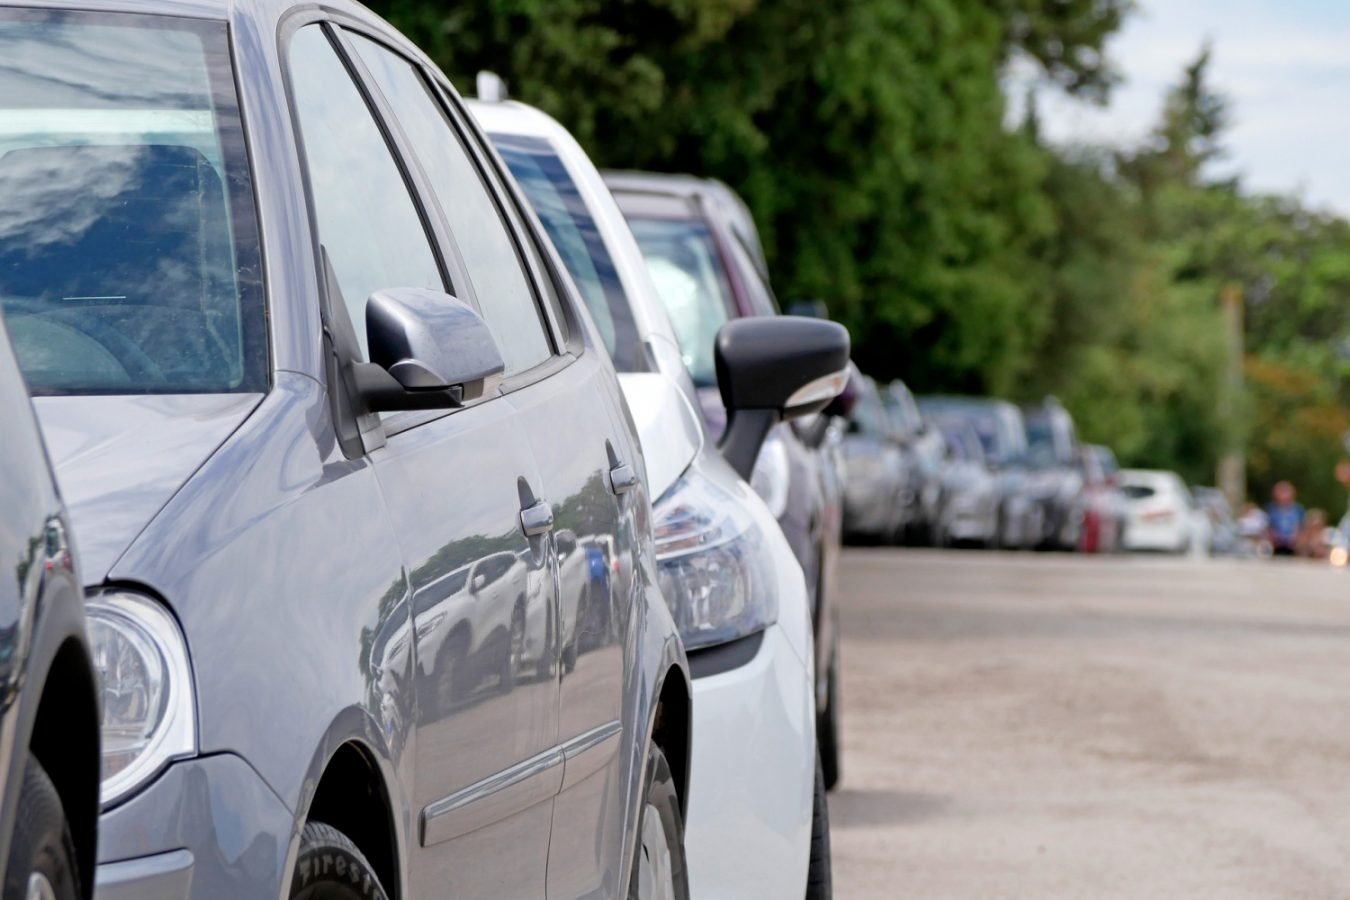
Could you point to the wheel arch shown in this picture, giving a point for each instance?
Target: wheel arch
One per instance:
(65, 740)
(352, 786)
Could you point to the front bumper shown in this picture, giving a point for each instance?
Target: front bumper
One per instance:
(748, 833)
(207, 827)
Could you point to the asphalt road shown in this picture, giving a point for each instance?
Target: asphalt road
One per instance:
(1056, 726)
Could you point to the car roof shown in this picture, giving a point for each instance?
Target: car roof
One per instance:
(672, 195)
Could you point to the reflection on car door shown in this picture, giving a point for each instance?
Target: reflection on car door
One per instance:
(485, 761)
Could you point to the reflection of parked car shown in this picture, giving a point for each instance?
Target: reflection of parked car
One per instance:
(925, 451)
(279, 442)
(731, 578)
(50, 714)
(1163, 514)
(879, 498)
(1003, 436)
(1224, 539)
(969, 513)
(704, 253)
(1056, 477)
(1105, 510)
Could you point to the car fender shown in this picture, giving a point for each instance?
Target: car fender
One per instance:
(353, 725)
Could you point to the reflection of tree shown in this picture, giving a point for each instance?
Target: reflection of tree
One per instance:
(590, 510)
(462, 552)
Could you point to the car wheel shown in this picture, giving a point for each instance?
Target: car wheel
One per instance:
(330, 867)
(827, 730)
(819, 878)
(659, 870)
(42, 862)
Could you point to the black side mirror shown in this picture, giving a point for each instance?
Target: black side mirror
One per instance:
(428, 350)
(773, 368)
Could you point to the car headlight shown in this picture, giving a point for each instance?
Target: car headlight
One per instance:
(770, 476)
(146, 682)
(713, 566)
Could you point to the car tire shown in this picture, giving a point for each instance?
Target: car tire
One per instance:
(827, 729)
(659, 868)
(42, 851)
(819, 877)
(330, 867)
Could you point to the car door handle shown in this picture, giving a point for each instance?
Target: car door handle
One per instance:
(622, 478)
(537, 519)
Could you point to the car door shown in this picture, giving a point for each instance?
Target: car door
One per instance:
(589, 462)
(460, 491)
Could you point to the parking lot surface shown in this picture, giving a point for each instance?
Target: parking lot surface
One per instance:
(1052, 726)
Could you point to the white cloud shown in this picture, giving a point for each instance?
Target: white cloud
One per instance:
(1285, 67)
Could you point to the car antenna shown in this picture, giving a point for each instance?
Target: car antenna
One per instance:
(491, 87)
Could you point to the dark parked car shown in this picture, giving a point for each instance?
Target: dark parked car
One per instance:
(879, 496)
(1003, 437)
(705, 256)
(1056, 473)
(333, 426)
(49, 761)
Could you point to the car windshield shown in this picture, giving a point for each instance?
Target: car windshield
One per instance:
(569, 223)
(129, 257)
(689, 277)
(996, 442)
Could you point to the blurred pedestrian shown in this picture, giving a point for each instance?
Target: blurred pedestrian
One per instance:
(1312, 542)
(1286, 519)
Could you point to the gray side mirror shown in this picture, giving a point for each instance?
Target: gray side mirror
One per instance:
(428, 350)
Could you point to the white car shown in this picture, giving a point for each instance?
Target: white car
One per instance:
(734, 585)
(1162, 514)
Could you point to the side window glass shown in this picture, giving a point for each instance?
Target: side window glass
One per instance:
(366, 217)
(490, 256)
(761, 295)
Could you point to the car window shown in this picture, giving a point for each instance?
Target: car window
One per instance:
(365, 216)
(489, 253)
(762, 299)
(569, 223)
(129, 259)
(692, 284)
(1137, 491)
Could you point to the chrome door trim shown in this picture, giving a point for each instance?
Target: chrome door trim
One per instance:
(589, 752)
(496, 797)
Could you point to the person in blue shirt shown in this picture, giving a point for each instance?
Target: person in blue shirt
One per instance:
(1286, 519)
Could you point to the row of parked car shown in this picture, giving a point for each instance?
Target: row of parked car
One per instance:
(438, 516)
(956, 470)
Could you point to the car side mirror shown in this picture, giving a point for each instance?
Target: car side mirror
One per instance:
(479, 582)
(566, 542)
(772, 368)
(428, 350)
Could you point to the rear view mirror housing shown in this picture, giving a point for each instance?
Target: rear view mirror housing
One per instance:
(774, 368)
(428, 350)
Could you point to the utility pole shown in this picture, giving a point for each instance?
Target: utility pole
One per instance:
(1232, 473)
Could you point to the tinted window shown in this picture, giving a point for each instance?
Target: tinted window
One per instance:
(128, 242)
(762, 300)
(366, 217)
(692, 284)
(570, 226)
(499, 280)
(1137, 491)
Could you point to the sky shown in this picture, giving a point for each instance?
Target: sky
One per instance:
(1283, 64)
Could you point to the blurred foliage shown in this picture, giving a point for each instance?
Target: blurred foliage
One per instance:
(871, 140)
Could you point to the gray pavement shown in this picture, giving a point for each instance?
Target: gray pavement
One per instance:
(1057, 726)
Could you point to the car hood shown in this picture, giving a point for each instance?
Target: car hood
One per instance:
(118, 460)
(668, 427)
